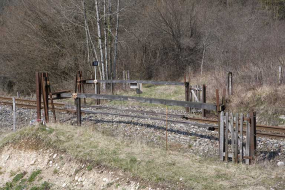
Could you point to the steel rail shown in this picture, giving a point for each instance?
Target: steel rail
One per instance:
(260, 128)
(209, 127)
(198, 105)
(34, 106)
(28, 101)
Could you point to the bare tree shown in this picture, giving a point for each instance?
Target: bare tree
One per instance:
(116, 41)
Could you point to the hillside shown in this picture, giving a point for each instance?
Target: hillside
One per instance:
(157, 40)
(68, 157)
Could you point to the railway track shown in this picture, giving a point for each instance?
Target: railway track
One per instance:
(262, 130)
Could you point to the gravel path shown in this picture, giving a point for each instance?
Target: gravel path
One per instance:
(181, 137)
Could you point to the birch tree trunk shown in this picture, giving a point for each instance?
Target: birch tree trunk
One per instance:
(86, 31)
(203, 57)
(100, 44)
(106, 41)
(116, 39)
(110, 37)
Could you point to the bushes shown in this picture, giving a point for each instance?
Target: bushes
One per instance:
(157, 40)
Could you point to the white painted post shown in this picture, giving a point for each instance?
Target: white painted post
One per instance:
(14, 114)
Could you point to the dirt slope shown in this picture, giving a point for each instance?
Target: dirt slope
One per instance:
(59, 170)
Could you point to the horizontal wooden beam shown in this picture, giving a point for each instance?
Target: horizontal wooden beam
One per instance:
(197, 105)
(135, 81)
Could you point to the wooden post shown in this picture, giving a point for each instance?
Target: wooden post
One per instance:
(221, 136)
(227, 137)
(14, 114)
(236, 139)
(78, 111)
(231, 118)
(51, 100)
(166, 135)
(190, 96)
(52, 107)
(280, 75)
(224, 98)
(204, 99)
(187, 95)
(128, 77)
(230, 83)
(82, 87)
(38, 96)
(241, 138)
(218, 109)
(247, 148)
(124, 78)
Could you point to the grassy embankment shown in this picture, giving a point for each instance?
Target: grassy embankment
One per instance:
(151, 165)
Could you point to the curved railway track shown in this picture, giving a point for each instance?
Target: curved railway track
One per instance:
(262, 130)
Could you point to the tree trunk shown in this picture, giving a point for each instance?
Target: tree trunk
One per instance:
(203, 57)
(116, 39)
(86, 32)
(106, 41)
(100, 44)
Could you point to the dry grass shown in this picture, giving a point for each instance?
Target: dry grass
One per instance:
(172, 168)
(267, 101)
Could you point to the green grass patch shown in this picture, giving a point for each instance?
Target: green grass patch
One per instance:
(154, 91)
(18, 177)
(44, 186)
(34, 175)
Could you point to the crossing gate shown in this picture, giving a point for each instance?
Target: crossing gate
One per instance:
(237, 137)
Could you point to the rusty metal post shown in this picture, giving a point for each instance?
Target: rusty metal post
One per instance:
(38, 96)
(187, 95)
(82, 87)
(14, 114)
(223, 100)
(98, 92)
(252, 136)
(78, 111)
(204, 99)
(45, 96)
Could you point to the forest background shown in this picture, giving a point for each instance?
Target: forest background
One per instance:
(153, 39)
